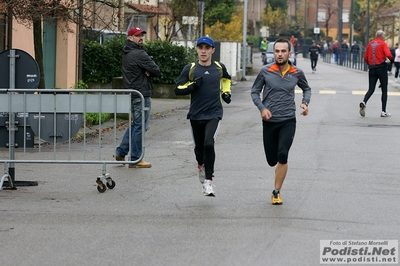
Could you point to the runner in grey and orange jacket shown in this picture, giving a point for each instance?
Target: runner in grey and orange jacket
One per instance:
(273, 93)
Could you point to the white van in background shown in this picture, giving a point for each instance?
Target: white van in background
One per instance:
(101, 35)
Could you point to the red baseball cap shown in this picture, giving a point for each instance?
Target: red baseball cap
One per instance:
(136, 31)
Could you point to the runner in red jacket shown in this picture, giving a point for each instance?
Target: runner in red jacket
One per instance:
(376, 54)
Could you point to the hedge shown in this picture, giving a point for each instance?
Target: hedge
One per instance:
(101, 63)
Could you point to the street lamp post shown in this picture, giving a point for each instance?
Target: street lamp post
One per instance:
(305, 25)
(340, 27)
(244, 41)
(351, 21)
(201, 6)
(367, 25)
(316, 22)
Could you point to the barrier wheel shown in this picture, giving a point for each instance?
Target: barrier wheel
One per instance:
(110, 184)
(101, 189)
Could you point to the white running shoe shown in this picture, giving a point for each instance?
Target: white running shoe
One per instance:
(208, 188)
(202, 173)
(385, 114)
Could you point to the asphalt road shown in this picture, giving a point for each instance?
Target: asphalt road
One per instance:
(343, 183)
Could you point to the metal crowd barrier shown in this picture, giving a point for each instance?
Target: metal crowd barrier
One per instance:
(55, 116)
(349, 60)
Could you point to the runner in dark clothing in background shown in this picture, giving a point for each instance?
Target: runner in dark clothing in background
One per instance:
(314, 52)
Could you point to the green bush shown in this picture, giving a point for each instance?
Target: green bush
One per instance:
(254, 40)
(170, 58)
(80, 85)
(94, 118)
(91, 118)
(101, 63)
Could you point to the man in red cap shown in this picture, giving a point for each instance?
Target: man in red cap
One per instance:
(137, 71)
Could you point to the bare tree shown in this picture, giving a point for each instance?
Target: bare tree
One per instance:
(32, 12)
(377, 18)
(172, 22)
(276, 20)
(215, 11)
(331, 9)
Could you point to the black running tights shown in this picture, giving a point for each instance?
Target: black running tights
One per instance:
(278, 138)
(204, 135)
(314, 63)
(374, 75)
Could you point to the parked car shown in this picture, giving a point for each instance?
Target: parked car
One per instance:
(269, 54)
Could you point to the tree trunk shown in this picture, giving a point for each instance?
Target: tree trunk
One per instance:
(38, 46)
(121, 13)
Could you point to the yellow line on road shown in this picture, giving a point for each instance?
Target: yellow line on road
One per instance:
(358, 92)
(390, 93)
(327, 92)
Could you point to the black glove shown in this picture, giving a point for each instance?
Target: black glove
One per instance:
(197, 82)
(226, 97)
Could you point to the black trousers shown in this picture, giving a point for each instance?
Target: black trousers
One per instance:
(374, 75)
(314, 63)
(397, 65)
(278, 138)
(204, 135)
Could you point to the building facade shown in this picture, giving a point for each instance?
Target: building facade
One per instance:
(309, 14)
(61, 47)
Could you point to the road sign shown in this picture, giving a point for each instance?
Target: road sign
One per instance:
(191, 20)
(25, 69)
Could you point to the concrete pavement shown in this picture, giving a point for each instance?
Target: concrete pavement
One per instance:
(342, 184)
